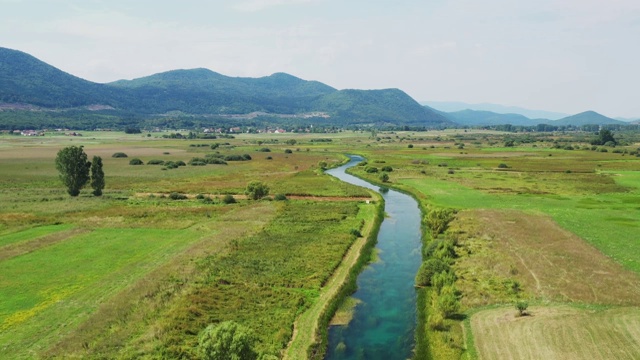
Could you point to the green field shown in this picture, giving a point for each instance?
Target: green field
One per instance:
(134, 274)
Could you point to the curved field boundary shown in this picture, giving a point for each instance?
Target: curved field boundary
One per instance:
(27, 246)
(305, 329)
(558, 332)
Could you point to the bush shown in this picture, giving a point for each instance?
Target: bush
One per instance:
(171, 165)
(288, 151)
(280, 197)
(200, 197)
(136, 161)
(438, 220)
(256, 190)
(410, 146)
(371, 169)
(269, 158)
(228, 199)
(429, 268)
(387, 168)
(522, 307)
(264, 149)
(155, 162)
(355, 232)
(503, 166)
(448, 302)
(196, 161)
(119, 155)
(227, 340)
(177, 196)
(384, 177)
(442, 279)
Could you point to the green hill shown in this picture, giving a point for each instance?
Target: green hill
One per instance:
(587, 118)
(389, 106)
(27, 80)
(197, 93)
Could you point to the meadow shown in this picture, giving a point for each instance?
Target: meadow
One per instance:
(136, 274)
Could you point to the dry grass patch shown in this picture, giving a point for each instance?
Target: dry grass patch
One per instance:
(550, 262)
(558, 332)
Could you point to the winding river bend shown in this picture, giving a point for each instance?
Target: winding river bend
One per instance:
(384, 321)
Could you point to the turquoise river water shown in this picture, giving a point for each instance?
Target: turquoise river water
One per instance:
(384, 322)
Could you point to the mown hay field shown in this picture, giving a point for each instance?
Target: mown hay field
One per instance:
(558, 332)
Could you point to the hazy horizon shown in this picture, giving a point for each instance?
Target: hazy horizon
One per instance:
(560, 56)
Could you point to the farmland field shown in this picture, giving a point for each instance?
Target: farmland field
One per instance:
(135, 273)
(558, 332)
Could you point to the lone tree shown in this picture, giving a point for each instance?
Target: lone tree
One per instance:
(73, 167)
(256, 190)
(97, 176)
(226, 341)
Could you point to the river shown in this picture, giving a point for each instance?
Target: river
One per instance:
(384, 322)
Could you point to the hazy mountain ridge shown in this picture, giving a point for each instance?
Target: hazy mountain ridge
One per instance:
(29, 81)
(454, 106)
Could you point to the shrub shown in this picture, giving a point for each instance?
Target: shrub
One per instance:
(155, 162)
(216, 161)
(171, 165)
(180, 163)
(442, 279)
(196, 161)
(288, 151)
(177, 196)
(387, 168)
(429, 268)
(503, 166)
(199, 196)
(264, 149)
(410, 146)
(448, 302)
(438, 220)
(119, 155)
(256, 190)
(355, 232)
(136, 161)
(384, 177)
(228, 199)
(371, 169)
(269, 158)
(522, 307)
(280, 197)
(227, 340)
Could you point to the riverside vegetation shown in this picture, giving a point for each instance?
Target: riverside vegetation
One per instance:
(546, 218)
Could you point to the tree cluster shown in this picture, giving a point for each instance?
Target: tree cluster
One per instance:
(76, 171)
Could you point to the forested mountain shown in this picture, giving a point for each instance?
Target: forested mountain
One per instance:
(200, 92)
(380, 106)
(25, 79)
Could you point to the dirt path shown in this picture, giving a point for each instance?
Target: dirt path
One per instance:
(305, 328)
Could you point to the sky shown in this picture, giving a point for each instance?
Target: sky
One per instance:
(557, 55)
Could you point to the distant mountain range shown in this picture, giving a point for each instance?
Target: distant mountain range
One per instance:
(488, 118)
(35, 94)
(453, 106)
(26, 82)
